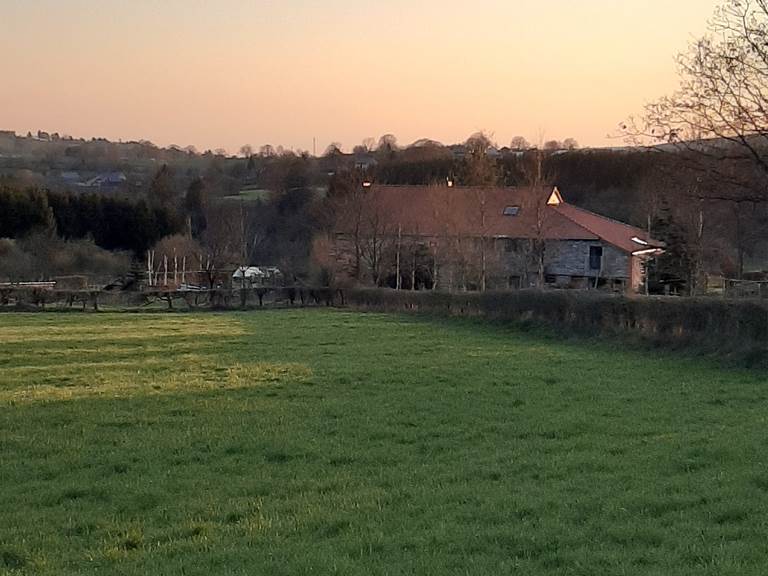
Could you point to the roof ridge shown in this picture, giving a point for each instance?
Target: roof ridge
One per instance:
(459, 187)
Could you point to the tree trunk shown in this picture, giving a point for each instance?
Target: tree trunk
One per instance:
(540, 265)
(398, 281)
(483, 264)
(739, 243)
(435, 267)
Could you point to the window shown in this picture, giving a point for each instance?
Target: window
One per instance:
(595, 257)
(511, 210)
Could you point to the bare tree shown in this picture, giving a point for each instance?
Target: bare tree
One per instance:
(267, 151)
(369, 144)
(333, 149)
(536, 250)
(246, 151)
(717, 118)
(182, 254)
(714, 131)
(478, 168)
(346, 211)
(519, 143)
(570, 144)
(375, 239)
(222, 243)
(387, 143)
(482, 205)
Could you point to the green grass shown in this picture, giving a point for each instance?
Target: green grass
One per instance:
(250, 195)
(327, 442)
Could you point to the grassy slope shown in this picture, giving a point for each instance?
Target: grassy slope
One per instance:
(326, 442)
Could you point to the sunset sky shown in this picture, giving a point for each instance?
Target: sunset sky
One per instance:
(231, 72)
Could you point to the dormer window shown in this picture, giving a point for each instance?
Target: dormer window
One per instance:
(511, 210)
(555, 199)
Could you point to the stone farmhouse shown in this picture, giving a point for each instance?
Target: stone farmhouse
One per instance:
(455, 237)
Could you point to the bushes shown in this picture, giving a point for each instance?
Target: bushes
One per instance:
(35, 298)
(113, 223)
(43, 256)
(724, 324)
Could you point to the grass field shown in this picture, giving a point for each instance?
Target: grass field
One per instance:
(250, 195)
(327, 442)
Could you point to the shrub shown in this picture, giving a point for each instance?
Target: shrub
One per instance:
(721, 324)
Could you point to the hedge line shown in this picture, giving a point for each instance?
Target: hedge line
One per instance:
(718, 325)
(714, 322)
(38, 299)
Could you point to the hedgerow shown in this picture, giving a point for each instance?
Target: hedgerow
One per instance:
(716, 323)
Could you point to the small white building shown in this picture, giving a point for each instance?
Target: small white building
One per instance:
(249, 275)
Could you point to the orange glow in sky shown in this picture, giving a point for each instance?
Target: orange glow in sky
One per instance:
(234, 72)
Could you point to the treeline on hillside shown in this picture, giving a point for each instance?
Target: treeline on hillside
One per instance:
(268, 207)
(45, 235)
(112, 223)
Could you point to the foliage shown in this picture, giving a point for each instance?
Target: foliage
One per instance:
(113, 223)
(43, 256)
(721, 325)
(162, 190)
(195, 204)
(716, 119)
(22, 211)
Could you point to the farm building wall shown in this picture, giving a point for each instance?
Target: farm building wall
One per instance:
(571, 258)
(508, 259)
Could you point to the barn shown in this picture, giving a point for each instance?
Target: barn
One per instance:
(456, 237)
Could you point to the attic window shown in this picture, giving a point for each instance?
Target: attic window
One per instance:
(511, 210)
(555, 199)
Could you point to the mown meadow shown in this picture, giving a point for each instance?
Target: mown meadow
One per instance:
(332, 442)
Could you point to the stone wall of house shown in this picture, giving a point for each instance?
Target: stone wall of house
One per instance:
(564, 259)
(571, 258)
(507, 262)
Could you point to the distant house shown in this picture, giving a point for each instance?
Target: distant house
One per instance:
(462, 237)
(458, 151)
(107, 180)
(246, 276)
(493, 152)
(70, 177)
(365, 161)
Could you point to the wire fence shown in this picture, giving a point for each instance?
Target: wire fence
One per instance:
(733, 288)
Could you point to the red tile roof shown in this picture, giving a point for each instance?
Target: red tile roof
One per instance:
(479, 211)
(623, 236)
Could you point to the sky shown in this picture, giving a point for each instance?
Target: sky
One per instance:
(232, 72)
